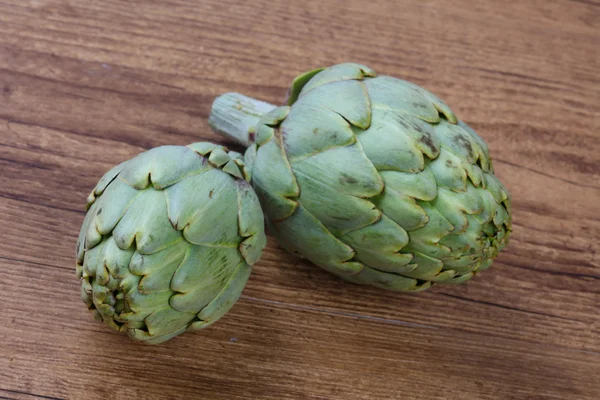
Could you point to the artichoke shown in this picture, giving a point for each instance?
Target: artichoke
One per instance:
(168, 241)
(372, 178)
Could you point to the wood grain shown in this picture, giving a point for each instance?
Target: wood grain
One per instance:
(86, 85)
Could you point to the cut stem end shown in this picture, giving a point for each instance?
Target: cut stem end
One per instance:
(235, 116)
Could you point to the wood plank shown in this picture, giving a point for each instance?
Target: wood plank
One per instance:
(265, 350)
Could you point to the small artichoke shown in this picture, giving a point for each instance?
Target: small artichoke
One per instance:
(168, 241)
(372, 178)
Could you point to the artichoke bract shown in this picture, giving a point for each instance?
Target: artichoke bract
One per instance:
(372, 178)
(168, 240)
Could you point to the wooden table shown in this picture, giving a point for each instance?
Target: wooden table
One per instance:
(85, 85)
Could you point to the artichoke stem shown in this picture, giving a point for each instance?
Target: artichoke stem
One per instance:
(235, 116)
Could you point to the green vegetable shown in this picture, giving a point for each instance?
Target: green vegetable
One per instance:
(371, 178)
(168, 241)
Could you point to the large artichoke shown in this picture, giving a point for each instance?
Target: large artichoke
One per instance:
(168, 240)
(372, 178)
